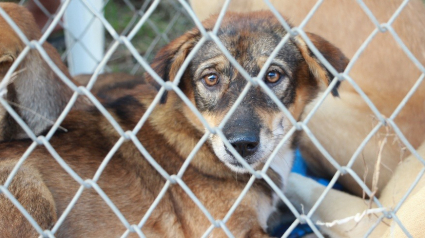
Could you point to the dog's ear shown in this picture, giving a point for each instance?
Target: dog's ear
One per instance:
(331, 53)
(6, 61)
(169, 59)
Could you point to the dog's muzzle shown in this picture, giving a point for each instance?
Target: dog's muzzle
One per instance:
(243, 133)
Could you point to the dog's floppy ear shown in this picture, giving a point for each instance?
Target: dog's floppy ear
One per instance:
(6, 61)
(331, 53)
(169, 59)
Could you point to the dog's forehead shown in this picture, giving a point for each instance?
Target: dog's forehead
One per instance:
(247, 41)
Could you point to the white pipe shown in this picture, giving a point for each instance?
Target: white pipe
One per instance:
(87, 48)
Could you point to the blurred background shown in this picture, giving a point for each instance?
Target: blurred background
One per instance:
(79, 34)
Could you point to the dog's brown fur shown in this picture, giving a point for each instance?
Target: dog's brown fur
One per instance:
(111, 86)
(169, 135)
(34, 91)
(385, 74)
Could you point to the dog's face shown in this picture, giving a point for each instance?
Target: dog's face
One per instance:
(213, 84)
(257, 125)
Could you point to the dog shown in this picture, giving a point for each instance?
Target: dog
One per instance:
(385, 74)
(215, 175)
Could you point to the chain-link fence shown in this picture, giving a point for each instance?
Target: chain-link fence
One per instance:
(135, 30)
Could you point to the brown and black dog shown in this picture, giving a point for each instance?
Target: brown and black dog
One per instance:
(385, 74)
(215, 176)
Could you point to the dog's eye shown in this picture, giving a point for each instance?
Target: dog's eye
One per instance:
(210, 79)
(273, 76)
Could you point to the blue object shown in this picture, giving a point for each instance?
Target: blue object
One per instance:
(300, 167)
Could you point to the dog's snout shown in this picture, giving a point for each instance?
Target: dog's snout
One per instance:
(245, 145)
(243, 131)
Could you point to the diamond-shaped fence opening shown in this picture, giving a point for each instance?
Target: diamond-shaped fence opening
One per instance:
(132, 32)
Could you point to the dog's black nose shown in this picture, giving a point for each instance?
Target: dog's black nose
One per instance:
(246, 145)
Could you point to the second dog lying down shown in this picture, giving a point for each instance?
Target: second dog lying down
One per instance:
(215, 176)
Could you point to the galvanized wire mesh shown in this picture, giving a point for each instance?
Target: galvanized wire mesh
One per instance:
(124, 41)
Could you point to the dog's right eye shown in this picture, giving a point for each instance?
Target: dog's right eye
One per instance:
(210, 79)
(273, 76)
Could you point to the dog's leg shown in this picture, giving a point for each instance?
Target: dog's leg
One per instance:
(28, 188)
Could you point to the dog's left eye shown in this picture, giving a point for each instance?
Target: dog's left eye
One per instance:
(210, 79)
(273, 76)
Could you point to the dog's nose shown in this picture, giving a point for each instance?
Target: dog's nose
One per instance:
(246, 145)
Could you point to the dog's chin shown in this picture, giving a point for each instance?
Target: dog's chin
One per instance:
(237, 167)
